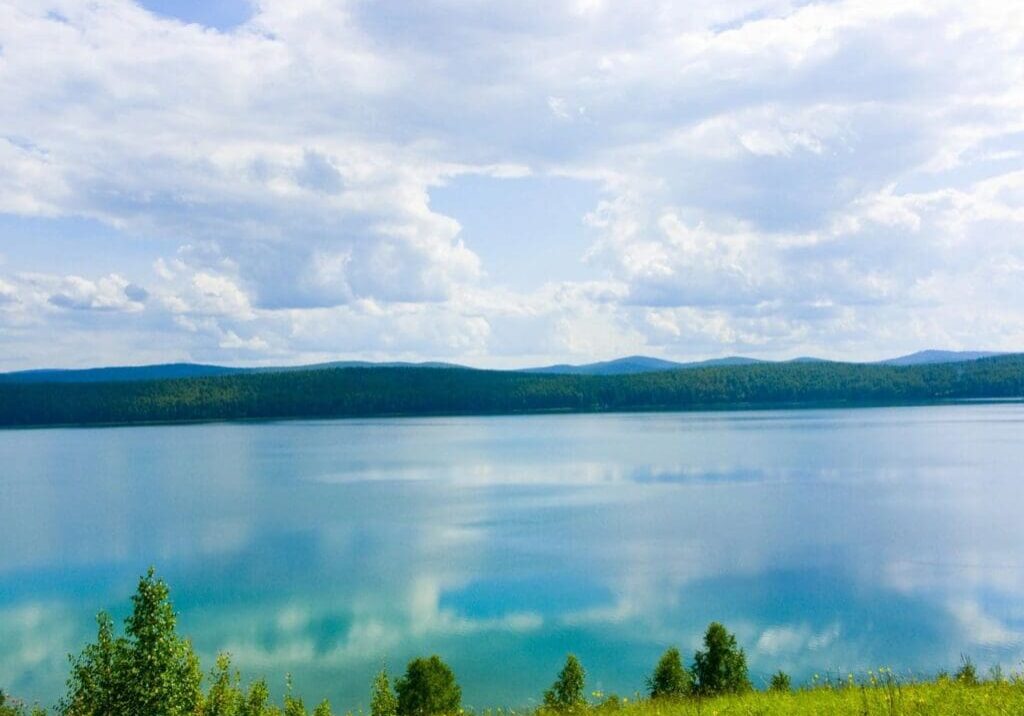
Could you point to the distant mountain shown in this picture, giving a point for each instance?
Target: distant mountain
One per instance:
(119, 374)
(631, 365)
(353, 364)
(166, 371)
(619, 366)
(809, 359)
(935, 356)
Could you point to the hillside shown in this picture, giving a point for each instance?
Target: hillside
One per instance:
(341, 392)
(636, 364)
(628, 365)
(118, 373)
(934, 356)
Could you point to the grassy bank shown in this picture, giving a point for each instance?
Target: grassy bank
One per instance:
(150, 670)
(939, 698)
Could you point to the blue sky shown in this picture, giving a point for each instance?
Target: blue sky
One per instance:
(507, 183)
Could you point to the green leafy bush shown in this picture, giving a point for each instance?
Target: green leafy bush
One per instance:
(670, 680)
(383, 701)
(428, 688)
(721, 667)
(780, 682)
(148, 671)
(566, 694)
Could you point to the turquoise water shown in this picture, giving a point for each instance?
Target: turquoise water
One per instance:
(826, 539)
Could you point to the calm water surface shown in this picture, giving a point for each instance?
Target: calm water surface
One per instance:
(828, 540)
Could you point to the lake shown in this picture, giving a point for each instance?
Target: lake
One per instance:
(828, 540)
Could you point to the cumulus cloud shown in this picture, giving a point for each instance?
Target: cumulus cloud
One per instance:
(840, 178)
(109, 293)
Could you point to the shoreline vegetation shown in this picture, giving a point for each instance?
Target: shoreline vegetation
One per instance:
(360, 392)
(151, 670)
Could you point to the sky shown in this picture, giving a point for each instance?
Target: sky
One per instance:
(510, 183)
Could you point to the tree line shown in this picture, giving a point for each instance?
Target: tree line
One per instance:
(152, 670)
(383, 391)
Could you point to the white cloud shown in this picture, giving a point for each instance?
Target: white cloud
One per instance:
(786, 640)
(109, 293)
(834, 177)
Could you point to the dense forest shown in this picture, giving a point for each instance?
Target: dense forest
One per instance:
(384, 391)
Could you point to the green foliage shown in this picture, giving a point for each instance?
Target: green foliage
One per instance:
(566, 694)
(153, 666)
(11, 707)
(338, 392)
(383, 701)
(148, 671)
(225, 697)
(95, 681)
(256, 700)
(428, 688)
(909, 699)
(721, 667)
(780, 682)
(611, 702)
(670, 680)
(293, 706)
(161, 673)
(967, 674)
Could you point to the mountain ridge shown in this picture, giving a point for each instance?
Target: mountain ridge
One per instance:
(627, 365)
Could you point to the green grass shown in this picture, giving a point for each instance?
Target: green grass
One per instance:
(885, 697)
(940, 698)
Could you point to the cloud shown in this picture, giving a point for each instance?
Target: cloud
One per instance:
(794, 639)
(109, 293)
(981, 629)
(831, 177)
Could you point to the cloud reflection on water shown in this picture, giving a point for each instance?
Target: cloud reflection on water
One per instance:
(826, 539)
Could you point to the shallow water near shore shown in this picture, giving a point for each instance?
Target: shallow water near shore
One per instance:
(828, 540)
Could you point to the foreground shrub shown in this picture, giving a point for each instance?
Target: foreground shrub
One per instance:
(382, 699)
(148, 671)
(721, 667)
(566, 694)
(967, 674)
(780, 682)
(428, 689)
(670, 679)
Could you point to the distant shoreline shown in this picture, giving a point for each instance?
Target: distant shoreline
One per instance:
(402, 392)
(651, 410)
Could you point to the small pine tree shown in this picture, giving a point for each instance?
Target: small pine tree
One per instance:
(256, 698)
(94, 684)
(967, 674)
(292, 706)
(670, 679)
(721, 667)
(323, 708)
(780, 682)
(149, 671)
(428, 688)
(382, 700)
(566, 694)
(163, 676)
(225, 696)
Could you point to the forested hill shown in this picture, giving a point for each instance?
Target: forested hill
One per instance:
(341, 392)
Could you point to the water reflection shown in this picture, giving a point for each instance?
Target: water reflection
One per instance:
(828, 540)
